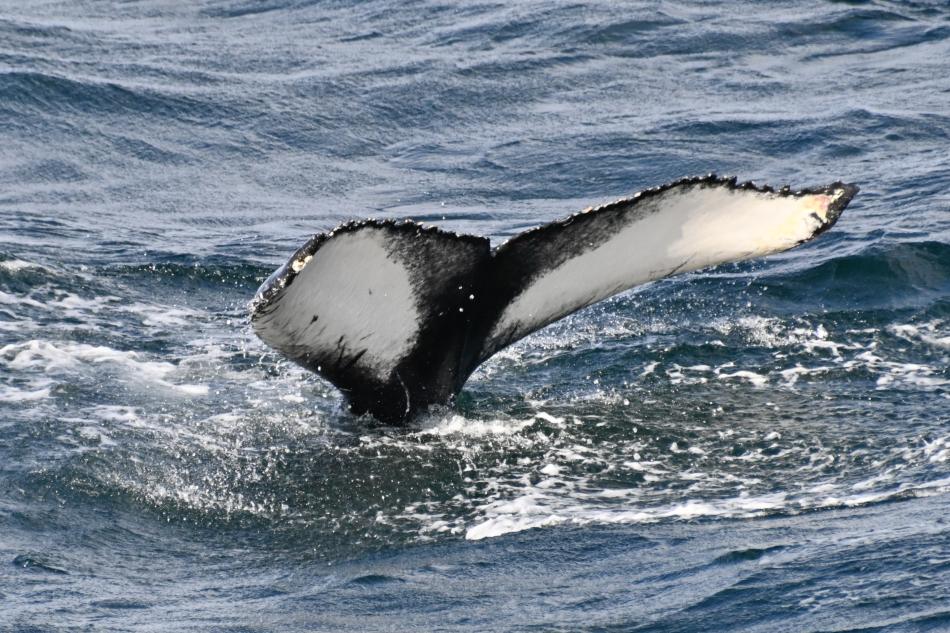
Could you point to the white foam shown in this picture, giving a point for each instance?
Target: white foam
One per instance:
(14, 394)
(860, 348)
(904, 374)
(125, 415)
(757, 380)
(58, 303)
(92, 433)
(932, 333)
(164, 316)
(792, 374)
(19, 326)
(460, 426)
(528, 512)
(50, 358)
(20, 300)
(16, 265)
(73, 304)
(537, 508)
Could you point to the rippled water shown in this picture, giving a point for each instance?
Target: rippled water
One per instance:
(765, 446)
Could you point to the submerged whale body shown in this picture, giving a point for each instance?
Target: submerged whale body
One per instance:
(398, 315)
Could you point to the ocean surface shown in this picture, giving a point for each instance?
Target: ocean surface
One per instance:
(756, 447)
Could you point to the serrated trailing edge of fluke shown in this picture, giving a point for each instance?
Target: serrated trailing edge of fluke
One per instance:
(712, 179)
(284, 275)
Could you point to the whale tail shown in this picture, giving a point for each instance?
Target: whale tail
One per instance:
(398, 315)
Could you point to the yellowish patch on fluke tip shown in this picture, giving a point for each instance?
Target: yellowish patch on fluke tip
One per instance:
(819, 204)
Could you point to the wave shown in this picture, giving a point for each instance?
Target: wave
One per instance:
(190, 273)
(889, 275)
(245, 8)
(54, 94)
(535, 511)
(45, 359)
(470, 477)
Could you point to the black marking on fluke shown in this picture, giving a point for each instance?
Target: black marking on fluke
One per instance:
(396, 377)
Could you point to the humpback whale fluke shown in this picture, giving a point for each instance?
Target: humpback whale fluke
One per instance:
(398, 315)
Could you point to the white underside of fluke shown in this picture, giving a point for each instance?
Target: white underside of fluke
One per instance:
(678, 230)
(351, 297)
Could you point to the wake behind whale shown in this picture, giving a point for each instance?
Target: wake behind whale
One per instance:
(398, 315)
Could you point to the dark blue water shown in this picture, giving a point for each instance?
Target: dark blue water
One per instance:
(759, 447)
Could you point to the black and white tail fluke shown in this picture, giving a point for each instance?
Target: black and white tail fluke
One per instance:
(398, 315)
(377, 308)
